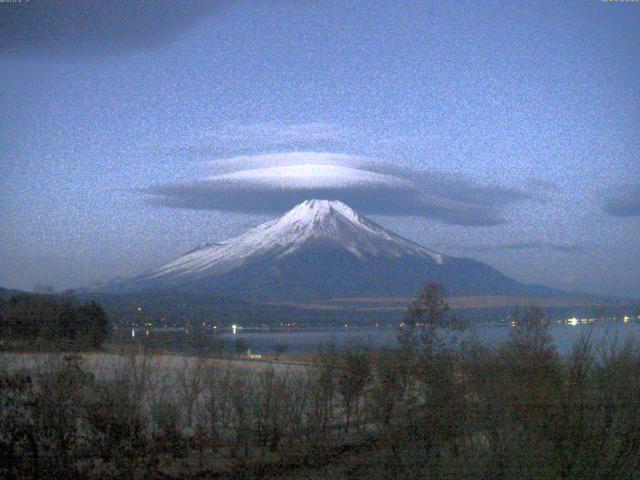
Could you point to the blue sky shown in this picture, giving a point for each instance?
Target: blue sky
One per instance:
(497, 130)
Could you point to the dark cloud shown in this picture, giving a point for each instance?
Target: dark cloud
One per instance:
(626, 203)
(458, 188)
(373, 200)
(534, 245)
(94, 26)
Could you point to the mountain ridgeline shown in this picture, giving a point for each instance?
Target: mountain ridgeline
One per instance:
(323, 249)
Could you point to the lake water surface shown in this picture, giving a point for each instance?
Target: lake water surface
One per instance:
(307, 341)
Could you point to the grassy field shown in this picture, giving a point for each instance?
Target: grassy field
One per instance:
(164, 365)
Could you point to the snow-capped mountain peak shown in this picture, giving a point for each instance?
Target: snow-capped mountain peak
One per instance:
(310, 223)
(318, 210)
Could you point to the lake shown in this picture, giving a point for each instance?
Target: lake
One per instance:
(564, 336)
(305, 341)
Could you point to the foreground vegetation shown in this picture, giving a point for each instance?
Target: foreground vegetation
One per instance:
(433, 408)
(51, 321)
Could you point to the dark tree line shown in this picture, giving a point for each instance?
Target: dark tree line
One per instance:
(27, 317)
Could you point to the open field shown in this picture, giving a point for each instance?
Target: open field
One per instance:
(106, 365)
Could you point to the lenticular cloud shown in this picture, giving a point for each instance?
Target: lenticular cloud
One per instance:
(286, 159)
(273, 183)
(308, 176)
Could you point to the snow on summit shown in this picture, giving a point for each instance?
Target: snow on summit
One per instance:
(310, 223)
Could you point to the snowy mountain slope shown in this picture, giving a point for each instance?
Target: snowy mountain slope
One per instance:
(312, 220)
(323, 249)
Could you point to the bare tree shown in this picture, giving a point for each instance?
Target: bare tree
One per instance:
(280, 349)
(353, 376)
(388, 387)
(190, 380)
(216, 408)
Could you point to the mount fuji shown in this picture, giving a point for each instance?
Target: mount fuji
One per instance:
(318, 250)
